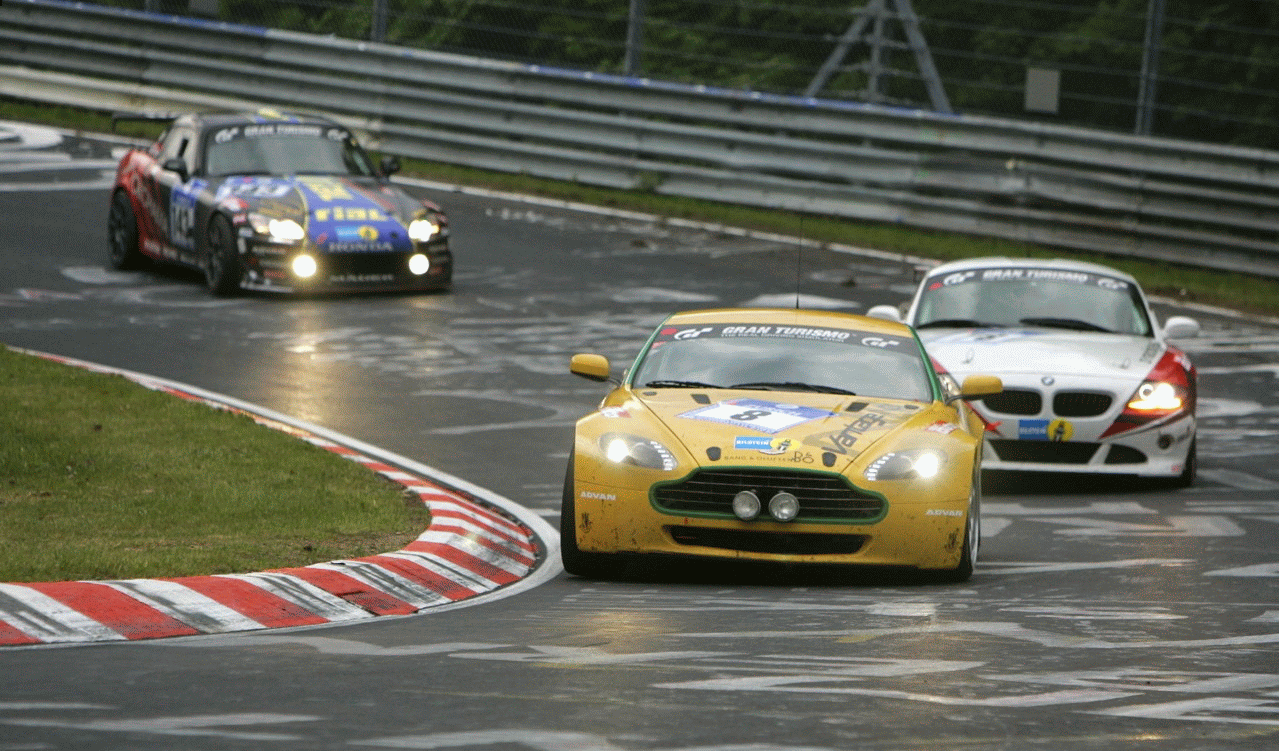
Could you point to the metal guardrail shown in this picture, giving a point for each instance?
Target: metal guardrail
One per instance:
(1182, 202)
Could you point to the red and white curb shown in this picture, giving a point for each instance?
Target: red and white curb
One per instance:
(477, 544)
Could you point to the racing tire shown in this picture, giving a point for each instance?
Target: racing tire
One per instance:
(577, 562)
(222, 269)
(122, 233)
(963, 571)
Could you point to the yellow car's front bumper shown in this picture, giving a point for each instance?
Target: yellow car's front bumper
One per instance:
(918, 529)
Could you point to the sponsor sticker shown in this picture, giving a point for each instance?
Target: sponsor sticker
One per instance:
(1045, 430)
(362, 233)
(773, 331)
(1032, 430)
(1014, 274)
(762, 443)
(756, 414)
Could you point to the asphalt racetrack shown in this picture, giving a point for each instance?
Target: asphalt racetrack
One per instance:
(1100, 616)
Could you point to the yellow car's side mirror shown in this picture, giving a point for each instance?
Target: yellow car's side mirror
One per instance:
(593, 367)
(975, 386)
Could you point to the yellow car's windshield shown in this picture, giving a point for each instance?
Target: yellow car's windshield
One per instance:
(773, 357)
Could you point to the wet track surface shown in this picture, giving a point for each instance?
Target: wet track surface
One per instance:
(1100, 616)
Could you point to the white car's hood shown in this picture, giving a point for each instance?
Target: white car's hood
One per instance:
(1037, 351)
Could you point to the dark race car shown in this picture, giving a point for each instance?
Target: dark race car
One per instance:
(274, 202)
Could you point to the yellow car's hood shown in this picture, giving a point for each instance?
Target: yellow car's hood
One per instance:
(795, 430)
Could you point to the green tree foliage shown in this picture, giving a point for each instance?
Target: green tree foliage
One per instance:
(1217, 72)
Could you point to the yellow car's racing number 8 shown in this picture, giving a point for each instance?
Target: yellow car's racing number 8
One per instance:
(766, 417)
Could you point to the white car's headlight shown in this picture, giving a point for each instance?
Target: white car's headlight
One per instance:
(623, 448)
(279, 230)
(1156, 397)
(421, 230)
(909, 464)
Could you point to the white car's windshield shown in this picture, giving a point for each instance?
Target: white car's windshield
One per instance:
(1001, 297)
(773, 357)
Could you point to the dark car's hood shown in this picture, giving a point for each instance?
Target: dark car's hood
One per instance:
(340, 214)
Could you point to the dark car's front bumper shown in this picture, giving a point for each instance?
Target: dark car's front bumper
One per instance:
(271, 267)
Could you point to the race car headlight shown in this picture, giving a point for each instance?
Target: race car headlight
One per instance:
(1156, 397)
(623, 448)
(304, 266)
(922, 464)
(419, 264)
(421, 230)
(1168, 389)
(279, 230)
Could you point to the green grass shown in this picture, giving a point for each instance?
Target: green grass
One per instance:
(106, 479)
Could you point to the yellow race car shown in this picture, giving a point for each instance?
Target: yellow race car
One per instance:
(785, 435)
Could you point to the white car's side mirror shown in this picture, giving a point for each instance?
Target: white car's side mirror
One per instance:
(886, 312)
(1181, 327)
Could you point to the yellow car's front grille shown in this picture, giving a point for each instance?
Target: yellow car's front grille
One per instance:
(823, 496)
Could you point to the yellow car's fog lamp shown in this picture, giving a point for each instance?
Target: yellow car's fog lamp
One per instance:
(623, 448)
(911, 464)
(746, 505)
(304, 266)
(783, 507)
(1156, 397)
(419, 264)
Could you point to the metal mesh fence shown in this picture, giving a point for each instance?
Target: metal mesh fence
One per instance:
(1176, 68)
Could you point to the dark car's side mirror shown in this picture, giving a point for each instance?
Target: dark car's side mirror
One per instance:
(390, 165)
(177, 165)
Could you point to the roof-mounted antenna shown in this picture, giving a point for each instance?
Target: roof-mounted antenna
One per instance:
(799, 255)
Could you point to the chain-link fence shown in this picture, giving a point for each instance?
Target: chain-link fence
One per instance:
(1175, 68)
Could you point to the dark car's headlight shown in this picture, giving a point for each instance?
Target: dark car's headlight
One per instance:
(623, 448)
(909, 464)
(279, 230)
(421, 230)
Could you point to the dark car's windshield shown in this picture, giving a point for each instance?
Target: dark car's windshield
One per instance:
(769, 357)
(1050, 298)
(316, 150)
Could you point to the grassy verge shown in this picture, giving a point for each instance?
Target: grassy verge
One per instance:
(1238, 291)
(106, 479)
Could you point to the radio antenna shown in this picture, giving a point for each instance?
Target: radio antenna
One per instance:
(799, 255)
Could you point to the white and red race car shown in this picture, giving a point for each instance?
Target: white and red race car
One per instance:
(1091, 383)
